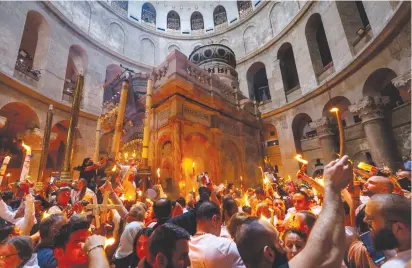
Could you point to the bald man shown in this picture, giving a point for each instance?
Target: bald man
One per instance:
(389, 219)
(374, 185)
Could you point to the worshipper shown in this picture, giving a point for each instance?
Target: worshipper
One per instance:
(389, 220)
(168, 247)
(207, 248)
(24, 218)
(177, 209)
(62, 201)
(301, 201)
(162, 209)
(280, 205)
(188, 220)
(82, 193)
(293, 242)
(229, 208)
(69, 250)
(182, 203)
(134, 219)
(17, 252)
(374, 185)
(88, 171)
(404, 179)
(258, 241)
(8, 231)
(140, 246)
(306, 221)
(48, 228)
(235, 221)
(7, 197)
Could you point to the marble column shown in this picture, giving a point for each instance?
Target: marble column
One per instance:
(382, 147)
(327, 137)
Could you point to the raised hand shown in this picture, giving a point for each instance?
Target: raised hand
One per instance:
(338, 173)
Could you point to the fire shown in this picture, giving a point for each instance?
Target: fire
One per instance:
(109, 242)
(114, 168)
(139, 193)
(262, 217)
(122, 197)
(193, 165)
(158, 172)
(246, 200)
(126, 155)
(334, 110)
(299, 158)
(134, 154)
(46, 215)
(27, 148)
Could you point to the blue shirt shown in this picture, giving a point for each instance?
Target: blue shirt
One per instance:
(45, 258)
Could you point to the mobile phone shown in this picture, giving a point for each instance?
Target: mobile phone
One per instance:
(377, 256)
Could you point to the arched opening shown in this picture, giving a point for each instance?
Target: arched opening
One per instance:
(196, 22)
(220, 16)
(281, 14)
(149, 14)
(271, 147)
(22, 123)
(318, 45)
(342, 104)
(82, 14)
(147, 52)
(288, 69)
(244, 8)
(173, 21)
(379, 83)
(249, 39)
(34, 46)
(258, 83)
(302, 130)
(112, 84)
(76, 63)
(116, 37)
(354, 19)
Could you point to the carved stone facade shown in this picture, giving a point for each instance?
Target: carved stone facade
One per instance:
(202, 133)
(370, 108)
(324, 127)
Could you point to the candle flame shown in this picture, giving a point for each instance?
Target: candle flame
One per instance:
(122, 197)
(109, 242)
(27, 148)
(158, 172)
(139, 193)
(246, 200)
(193, 164)
(114, 168)
(8, 175)
(149, 201)
(262, 217)
(46, 215)
(334, 110)
(134, 154)
(126, 155)
(299, 158)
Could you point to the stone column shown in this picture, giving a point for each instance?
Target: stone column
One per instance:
(371, 111)
(327, 137)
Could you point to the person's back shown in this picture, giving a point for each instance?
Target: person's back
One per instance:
(207, 249)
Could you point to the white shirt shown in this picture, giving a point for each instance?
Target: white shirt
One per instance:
(210, 251)
(24, 223)
(315, 210)
(88, 196)
(401, 260)
(127, 238)
(224, 232)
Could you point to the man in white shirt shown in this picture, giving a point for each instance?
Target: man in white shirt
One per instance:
(134, 219)
(23, 223)
(389, 219)
(207, 249)
(82, 193)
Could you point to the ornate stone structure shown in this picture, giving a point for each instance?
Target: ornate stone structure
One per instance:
(198, 122)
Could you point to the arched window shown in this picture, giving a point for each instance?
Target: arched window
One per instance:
(34, 45)
(219, 16)
(196, 21)
(173, 21)
(147, 51)
(318, 45)
(258, 83)
(302, 130)
(342, 104)
(244, 8)
(355, 21)
(288, 69)
(149, 14)
(76, 62)
(116, 37)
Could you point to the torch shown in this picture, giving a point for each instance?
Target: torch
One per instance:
(340, 128)
(304, 162)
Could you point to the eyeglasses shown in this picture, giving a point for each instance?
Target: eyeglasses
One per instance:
(3, 257)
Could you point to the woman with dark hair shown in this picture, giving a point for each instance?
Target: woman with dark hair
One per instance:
(229, 207)
(139, 246)
(293, 241)
(19, 252)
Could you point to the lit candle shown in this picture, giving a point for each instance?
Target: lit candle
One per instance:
(340, 128)
(109, 242)
(158, 173)
(134, 154)
(26, 165)
(3, 168)
(126, 156)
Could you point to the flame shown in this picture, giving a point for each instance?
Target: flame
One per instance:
(46, 215)
(241, 178)
(165, 195)
(27, 148)
(364, 166)
(122, 197)
(114, 168)
(246, 200)
(334, 110)
(126, 155)
(139, 193)
(8, 175)
(265, 180)
(109, 242)
(262, 217)
(134, 154)
(158, 172)
(193, 164)
(149, 201)
(299, 158)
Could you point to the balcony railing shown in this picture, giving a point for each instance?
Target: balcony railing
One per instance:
(24, 66)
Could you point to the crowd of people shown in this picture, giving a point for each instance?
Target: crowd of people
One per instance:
(109, 218)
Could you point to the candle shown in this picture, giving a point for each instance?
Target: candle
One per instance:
(26, 165)
(4, 167)
(340, 128)
(158, 173)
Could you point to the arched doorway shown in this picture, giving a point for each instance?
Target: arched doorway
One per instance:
(258, 83)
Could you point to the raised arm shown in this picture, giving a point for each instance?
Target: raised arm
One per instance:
(94, 248)
(326, 243)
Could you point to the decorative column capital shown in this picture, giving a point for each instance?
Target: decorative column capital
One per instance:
(370, 108)
(402, 80)
(324, 127)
